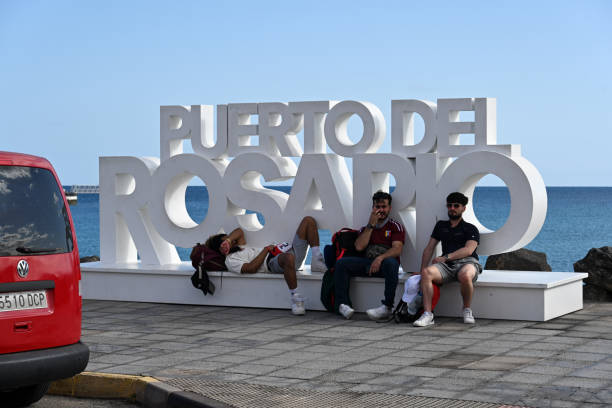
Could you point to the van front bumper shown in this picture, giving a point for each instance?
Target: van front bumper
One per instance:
(39, 366)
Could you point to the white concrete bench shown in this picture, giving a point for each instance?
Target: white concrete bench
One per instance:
(536, 296)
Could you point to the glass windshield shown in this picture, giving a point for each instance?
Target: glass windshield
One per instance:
(33, 218)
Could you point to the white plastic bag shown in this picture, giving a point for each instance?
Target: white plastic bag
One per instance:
(411, 288)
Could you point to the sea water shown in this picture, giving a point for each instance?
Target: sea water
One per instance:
(577, 220)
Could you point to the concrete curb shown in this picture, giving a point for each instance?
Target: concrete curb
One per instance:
(148, 391)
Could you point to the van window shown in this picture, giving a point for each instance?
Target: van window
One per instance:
(33, 217)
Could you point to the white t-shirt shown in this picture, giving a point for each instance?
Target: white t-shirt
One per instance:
(234, 261)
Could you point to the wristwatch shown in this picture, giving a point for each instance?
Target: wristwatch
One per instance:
(370, 226)
(446, 258)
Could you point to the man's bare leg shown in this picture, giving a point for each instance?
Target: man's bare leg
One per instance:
(287, 262)
(307, 230)
(430, 275)
(465, 276)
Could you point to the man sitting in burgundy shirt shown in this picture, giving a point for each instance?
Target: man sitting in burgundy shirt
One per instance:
(382, 238)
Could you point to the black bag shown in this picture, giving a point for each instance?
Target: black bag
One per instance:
(343, 242)
(200, 280)
(203, 259)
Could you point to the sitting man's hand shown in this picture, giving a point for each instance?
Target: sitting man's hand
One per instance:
(438, 259)
(375, 267)
(225, 247)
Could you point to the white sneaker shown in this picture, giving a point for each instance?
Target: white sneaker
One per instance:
(468, 316)
(317, 264)
(379, 312)
(346, 311)
(297, 305)
(426, 319)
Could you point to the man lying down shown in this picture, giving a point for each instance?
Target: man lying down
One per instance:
(283, 258)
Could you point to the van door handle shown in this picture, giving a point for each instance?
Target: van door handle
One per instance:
(23, 326)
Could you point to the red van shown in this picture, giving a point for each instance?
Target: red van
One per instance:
(40, 300)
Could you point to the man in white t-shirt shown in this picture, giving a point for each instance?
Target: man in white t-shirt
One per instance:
(279, 258)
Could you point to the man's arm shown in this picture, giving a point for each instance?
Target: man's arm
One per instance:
(393, 252)
(253, 266)
(362, 241)
(467, 250)
(428, 253)
(236, 237)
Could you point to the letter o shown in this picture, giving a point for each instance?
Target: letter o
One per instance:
(527, 195)
(373, 128)
(168, 211)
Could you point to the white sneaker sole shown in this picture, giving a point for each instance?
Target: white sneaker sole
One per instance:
(416, 324)
(348, 315)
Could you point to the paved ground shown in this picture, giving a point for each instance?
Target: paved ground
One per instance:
(54, 401)
(247, 357)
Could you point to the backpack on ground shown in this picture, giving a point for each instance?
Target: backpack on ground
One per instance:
(203, 260)
(343, 244)
(411, 310)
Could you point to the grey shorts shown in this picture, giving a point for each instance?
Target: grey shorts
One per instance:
(299, 250)
(449, 272)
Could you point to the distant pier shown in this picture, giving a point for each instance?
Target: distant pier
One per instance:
(76, 189)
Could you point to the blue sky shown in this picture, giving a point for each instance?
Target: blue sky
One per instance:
(79, 80)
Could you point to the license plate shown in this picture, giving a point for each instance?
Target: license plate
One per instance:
(36, 299)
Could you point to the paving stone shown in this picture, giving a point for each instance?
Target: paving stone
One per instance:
(116, 359)
(321, 387)
(538, 332)
(498, 363)
(545, 345)
(451, 383)
(401, 361)
(258, 352)
(273, 381)
(604, 366)
(372, 368)
(205, 365)
(474, 374)
(455, 360)
(546, 403)
(419, 354)
(172, 345)
(434, 393)
(323, 365)
(325, 348)
(251, 368)
(473, 335)
(528, 378)
(581, 382)
(396, 379)
(341, 376)
(455, 341)
(91, 366)
(295, 372)
(582, 356)
(417, 371)
(531, 353)
(582, 334)
(484, 397)
(126, 369)
(379, 388)
(591, 373)
(546, 369)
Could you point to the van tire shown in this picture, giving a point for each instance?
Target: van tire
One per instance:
(23, 396)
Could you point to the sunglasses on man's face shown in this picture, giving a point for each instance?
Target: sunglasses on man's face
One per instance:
(453, 205)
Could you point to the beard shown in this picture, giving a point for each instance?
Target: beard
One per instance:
(453, 216)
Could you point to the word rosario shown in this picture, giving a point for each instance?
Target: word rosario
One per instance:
(142, 200)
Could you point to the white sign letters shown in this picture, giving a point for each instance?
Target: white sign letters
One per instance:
(142, 200)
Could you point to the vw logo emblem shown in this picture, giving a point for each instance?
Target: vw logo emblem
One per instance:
(23, 268)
